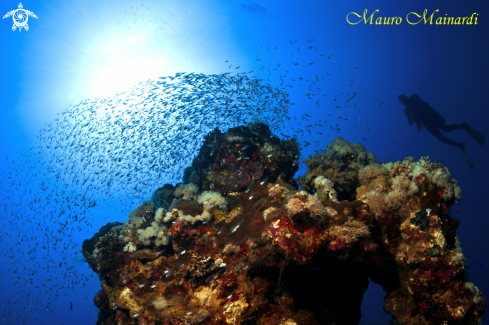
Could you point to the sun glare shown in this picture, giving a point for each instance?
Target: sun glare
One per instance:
(123, 74)
(120, 62)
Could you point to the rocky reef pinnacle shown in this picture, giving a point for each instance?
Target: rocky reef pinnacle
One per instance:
(240, 241)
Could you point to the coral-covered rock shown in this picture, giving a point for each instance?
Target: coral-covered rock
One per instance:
(233, 161)
(240, 244)
(340, 164)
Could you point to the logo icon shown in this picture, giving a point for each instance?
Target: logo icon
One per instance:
(20, 17)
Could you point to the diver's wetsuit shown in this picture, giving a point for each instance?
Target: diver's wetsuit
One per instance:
(425, 116)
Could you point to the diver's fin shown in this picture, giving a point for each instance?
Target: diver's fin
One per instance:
(466, 157)
(476, 135)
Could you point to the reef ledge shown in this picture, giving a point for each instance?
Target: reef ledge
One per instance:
(237, 242)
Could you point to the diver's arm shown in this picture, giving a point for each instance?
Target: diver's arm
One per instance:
(420, 125)
(409, 113)
(414, 116)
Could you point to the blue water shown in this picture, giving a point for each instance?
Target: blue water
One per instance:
(83, 50)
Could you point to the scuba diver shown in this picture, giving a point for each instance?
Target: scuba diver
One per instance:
(425, 116)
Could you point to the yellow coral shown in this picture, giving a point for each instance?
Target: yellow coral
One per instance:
(233, 214)
(278, 192)
(128, 300)
(234, 309)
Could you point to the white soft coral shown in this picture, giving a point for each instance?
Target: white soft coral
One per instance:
(188, 191)
(209, 199)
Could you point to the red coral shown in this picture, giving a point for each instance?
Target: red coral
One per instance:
(155, 276)
(368, 246)
(420, 179)
(227, 284)
(374, 259)
(261, 285)
(440, 193)
(337, 245)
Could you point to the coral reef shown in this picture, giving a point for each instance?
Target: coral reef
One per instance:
(234, 161)
(340, 164)
(239, 243)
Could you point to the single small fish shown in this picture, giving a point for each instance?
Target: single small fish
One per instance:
(481, 266)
